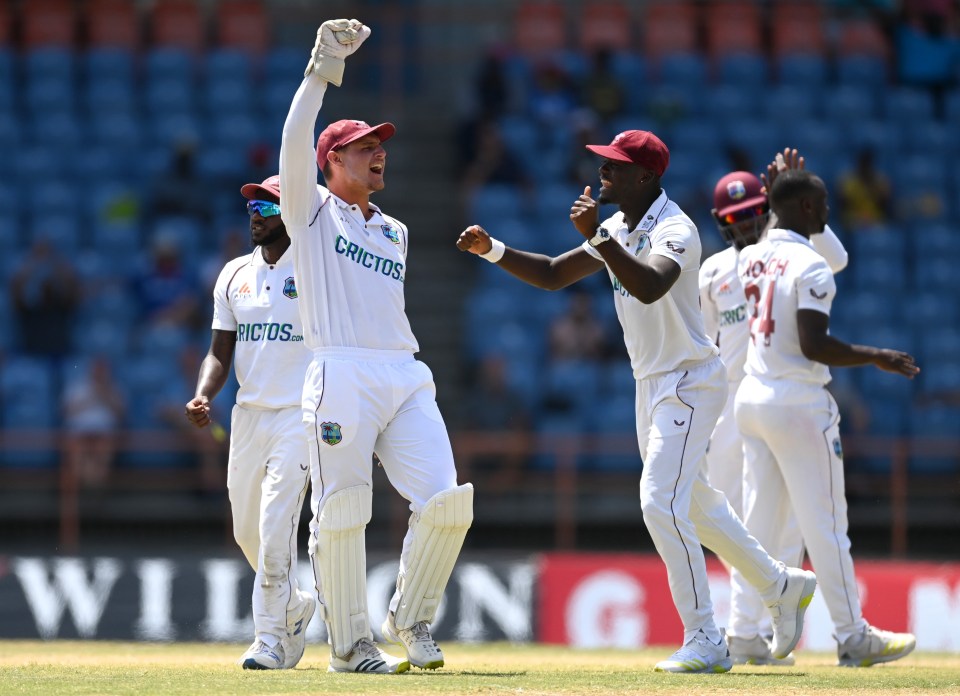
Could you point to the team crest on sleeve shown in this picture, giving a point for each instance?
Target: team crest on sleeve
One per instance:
(837, 448)
(736, 190)
(290, 288)
(390, 233)
(330, 433)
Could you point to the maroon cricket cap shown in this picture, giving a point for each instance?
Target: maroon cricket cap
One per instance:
(271, 185)
(737, 191)
(341, 133)
(637, 147)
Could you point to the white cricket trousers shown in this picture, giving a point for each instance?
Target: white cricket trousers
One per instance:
(725, 472)
(357, 402)
(267, 480)
(676, 413)
(791, 436)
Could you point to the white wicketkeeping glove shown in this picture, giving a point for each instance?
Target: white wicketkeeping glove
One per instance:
(336, 39)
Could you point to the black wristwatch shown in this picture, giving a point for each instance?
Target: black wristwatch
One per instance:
(599, 238)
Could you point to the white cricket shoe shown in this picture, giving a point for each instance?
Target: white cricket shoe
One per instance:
(873, 646)
(422, 649)
(755, 651)
(788, 611)
(295, 641)
(699, 655)
(262, 656)
(367, 658)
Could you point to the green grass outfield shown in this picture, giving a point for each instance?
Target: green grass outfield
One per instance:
(74, 667)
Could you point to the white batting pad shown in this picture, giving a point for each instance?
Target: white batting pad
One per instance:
(438, 536)
(341, 565)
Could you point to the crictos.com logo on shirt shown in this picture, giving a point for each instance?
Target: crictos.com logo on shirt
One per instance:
(268, 331)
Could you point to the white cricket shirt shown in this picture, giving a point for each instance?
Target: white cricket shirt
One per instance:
(668, 334)
(725, 306)
(782, 274)
(350, 271)
(258, 301)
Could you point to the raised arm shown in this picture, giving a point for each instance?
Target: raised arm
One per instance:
(829, 246)
(336, 39)
(545, 272)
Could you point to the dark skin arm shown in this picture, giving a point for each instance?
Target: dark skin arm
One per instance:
(213, 375)
(647, 281)
(816, 344)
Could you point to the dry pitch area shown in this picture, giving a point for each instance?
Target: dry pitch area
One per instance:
(67, 667)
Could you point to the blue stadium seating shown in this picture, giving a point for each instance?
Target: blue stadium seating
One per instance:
(109, 63)
(804, 70)
(169, 63)
(850, 104)
(866, 70)
(908, 106)
(687, 70)
(21, 376)
(743, 69)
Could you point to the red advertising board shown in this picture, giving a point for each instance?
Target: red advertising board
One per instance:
(623, 600)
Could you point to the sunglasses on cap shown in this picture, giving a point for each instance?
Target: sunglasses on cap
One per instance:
(742, 215)
(264, 208)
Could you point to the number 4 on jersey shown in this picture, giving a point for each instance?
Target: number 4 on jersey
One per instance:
(761, 319)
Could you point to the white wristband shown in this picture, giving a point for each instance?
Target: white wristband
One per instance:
(496, 251)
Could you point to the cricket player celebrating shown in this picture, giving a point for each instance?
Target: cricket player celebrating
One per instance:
(256, 325)
(788, 419)
(364, 392)
(741, 211)
(651, 251)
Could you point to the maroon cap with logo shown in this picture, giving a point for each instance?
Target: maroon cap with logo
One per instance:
(637, 147)
(253, 191)
(737, 191)
(341, 133)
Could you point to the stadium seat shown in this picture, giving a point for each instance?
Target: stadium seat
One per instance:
(933, 421)
(231, 65)
(789, 104)
(952, 106)
(109, 95)
(540, 27)
(113, 24)
(730, 101)
(109, 63)
(169, 63)
(11, 134)
(734, 27)
(571, 386)
(49, 95)
(615, 416)
(492, 202)
(850, 104)
(53, 196)
(864, 70)
(226, 161)
(62, 229)
(56, 129)
(243, 25)
(669, 27)
(163, 96)
(682, 70)
(6, 26)
(48, 23)
(807, 71)
(21, 375)
(910, 107)
(888, 271)
(177, 23)
(798, 28)
(167, 129)
(745, 70)
(225, 97)
(605, 24)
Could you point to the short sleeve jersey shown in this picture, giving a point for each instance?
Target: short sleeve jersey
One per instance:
(782, 274)
(668, 334)
(725, 310)
(258, 301)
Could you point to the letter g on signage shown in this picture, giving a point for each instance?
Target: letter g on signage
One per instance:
(605, 610)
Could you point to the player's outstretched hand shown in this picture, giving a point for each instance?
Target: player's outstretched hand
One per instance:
(474, 239)
(788, 159)
(585, 214)
(897, 362)
(197, 411)
(336, 39)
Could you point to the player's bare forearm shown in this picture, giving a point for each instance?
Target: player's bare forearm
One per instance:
(538, 270)
(646, 281)
(835, 353)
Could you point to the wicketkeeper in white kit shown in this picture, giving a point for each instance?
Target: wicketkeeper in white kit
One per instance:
(256, 325)
(364, 392)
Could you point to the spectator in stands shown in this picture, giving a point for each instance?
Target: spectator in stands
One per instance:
(602, 92)
(928, 48)
(45, 291)
(493, 406)
(552, 101)
(93, 413)
(181, 191)
(864, 194)
(578, 334)
(164, 287)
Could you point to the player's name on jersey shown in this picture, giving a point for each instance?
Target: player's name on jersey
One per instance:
(367, 259)
(774, 266)
(267, 331)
